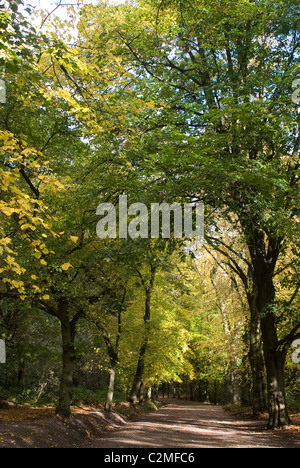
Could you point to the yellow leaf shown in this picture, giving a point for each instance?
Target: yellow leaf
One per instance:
(10, 260)
(74, 239)
(5, 241)
(43, 262)
(38, 254)
(17, 284)
(66, 266)
(34, 277)
(28, 226)
(46, 297)
(35, 243)
(18, 270)
(8, 211)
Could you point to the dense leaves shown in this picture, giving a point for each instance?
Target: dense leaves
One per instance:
(165, 102)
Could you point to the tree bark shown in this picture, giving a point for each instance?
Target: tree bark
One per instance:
(254, 336)
(68, 333)
(274, 358)
(141, 392)
(68, 361)
(113, 353)
(139, 375)
(111, 387)
(137, 381)
(114, 359)
(256, 363)
(232, 385)
(278, 413)
(264, 252)
(21, 372)
(149, 394)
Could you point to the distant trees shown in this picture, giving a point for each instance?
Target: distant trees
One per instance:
(225, 129)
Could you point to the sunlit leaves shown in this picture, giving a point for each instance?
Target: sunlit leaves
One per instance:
(23, 215)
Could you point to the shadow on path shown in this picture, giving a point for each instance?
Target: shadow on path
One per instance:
(184, 424)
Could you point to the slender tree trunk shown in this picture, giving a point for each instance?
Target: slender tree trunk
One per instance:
(192, 397)
(113, 353)
(232, 385)
(149, 394)
(215, 392)
(256, 363)
(138, 378)
(141, 392)
(111, 387)
(114, 359)
(68, 363)
(137, 381)
(21, 372)
(178, 391)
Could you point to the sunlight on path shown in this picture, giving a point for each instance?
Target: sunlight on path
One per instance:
(189, 425)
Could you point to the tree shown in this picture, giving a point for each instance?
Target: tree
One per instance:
(226, 242)
(229, 118)
(110, 303)
(147, 282)
(31, 126)
(162, 101)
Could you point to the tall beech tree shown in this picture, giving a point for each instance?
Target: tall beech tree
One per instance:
(235, 257)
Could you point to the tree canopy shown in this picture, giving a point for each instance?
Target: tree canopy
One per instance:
(166, 102)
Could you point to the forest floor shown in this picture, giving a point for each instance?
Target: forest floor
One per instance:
(177, 424)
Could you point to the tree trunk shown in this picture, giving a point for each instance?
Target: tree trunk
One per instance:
(232, 385)
(139, 375)
(68, 364)
(137, 381)
(256, 363)
(274, 360)
(141, 392)
(111, 387)
(113, 356)
(192, 397)
(264, 255)
(149, 394)
(21, 372)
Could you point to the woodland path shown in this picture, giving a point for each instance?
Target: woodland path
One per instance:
(184, 424)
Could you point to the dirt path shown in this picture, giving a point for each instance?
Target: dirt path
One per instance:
(189, 425)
